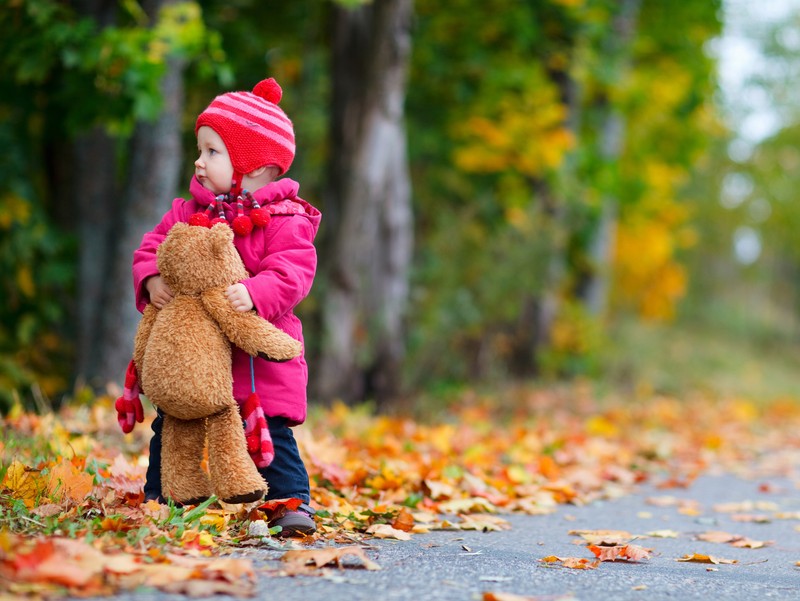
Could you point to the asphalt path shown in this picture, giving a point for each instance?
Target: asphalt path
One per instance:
(463, 565)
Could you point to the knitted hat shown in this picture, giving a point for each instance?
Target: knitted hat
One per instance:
(255, 130)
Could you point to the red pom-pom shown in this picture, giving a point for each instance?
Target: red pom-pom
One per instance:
(260, 217)
(217, 220)
(200, 219)
(269, 90)
(242, 225)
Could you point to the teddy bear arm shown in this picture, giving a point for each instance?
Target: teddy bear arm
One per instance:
(143, 334)
(248, 331)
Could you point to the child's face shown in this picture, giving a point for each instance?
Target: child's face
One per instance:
(213, 168)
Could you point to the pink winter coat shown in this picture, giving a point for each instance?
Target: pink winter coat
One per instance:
(281, 261)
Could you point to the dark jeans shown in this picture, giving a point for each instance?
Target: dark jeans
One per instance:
(286, 475)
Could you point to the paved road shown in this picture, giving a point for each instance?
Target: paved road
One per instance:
(450, 565)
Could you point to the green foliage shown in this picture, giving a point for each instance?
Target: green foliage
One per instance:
(62, 72)
(100, 75)
(524, 92)
(578, 343)
(35, 258)
(462, 297)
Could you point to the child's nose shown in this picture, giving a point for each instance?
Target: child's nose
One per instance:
(198, 162)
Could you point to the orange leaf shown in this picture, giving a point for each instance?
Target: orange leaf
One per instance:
(404, 520)
(69, 482)
(575, 563)
(698, 558)
(115, 524)
(623, 552)
(488, 596)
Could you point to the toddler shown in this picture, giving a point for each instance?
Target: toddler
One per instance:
(245, 142)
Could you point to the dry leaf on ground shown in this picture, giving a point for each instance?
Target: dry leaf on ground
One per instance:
(699, 558)
(298, 561)
(575, 563)
(620, 552)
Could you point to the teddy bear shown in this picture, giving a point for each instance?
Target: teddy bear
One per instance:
(182, 354)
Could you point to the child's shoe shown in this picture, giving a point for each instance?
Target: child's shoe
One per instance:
(299, 522)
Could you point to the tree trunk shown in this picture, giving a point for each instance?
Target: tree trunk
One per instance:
(539, 310)
(111, 222)
(155, 164)
(368, 210)
(94, 195)
(595, 290)
(96, 203)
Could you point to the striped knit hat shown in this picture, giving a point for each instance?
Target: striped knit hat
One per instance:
(255, 130)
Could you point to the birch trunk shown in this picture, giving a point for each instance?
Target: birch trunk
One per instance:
(596, 289)
(368, 210)
(152, 183)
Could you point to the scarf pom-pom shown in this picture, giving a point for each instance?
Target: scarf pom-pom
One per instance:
(242, 225)
(260, 217)
(200, 219)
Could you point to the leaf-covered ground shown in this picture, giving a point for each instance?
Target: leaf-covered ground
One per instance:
(73, 519)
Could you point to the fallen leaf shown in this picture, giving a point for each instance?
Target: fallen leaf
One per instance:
(757, 518)
(66, 481)
(663, 534)
(622, 552)
(597, 537)
(125, 477)
(386, 531)
(716, 536)
(331, 555)
(24, 483)
(489, 596)
(404, 520)
(575, 563)
(483, 523)
(274, 505)
(735, 540)
(472, 505)
(746, 507)
(748, 543)
(698, 558)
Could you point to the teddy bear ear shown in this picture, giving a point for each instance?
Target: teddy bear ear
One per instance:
(221, 237)
(179, 227)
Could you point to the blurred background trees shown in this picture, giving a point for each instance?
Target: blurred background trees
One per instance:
(544, 189)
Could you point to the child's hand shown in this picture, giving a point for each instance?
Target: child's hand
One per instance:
(239, 297)
(160, 293)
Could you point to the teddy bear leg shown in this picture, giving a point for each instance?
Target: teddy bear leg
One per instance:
(234, 476)
(182, 476)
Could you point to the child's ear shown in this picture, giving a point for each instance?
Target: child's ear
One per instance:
(273, 172)
(257, 172)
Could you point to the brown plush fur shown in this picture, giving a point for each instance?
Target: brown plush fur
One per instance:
(183, 357)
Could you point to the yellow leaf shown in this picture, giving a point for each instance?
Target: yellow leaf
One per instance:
(25, 281)
(24, 483)
(698, 558)
(217, 519)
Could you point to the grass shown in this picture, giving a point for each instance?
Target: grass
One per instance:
(726, 354)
